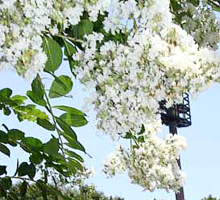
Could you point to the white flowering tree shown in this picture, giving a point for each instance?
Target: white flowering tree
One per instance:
(134, 53)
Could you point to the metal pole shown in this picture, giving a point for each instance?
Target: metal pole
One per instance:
(173, 130)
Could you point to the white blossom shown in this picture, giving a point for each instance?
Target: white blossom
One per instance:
(152, 165)
(29, 20)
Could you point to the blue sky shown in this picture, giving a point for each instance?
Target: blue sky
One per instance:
(200, 161)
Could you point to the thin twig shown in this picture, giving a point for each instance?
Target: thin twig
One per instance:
(66, 37)
(49, 108)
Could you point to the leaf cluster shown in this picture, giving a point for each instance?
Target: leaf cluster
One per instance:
(81, 192)
(59, 152)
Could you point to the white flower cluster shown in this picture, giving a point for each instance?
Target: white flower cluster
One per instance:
(140, 57)
(158, 61)
(125, 14)
(152, 165)
(23, 22)
(200, 22)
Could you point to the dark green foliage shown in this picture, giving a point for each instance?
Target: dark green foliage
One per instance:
(37, 192)
(26, 169)
(4, 149)
(210, 198)
(45, 124)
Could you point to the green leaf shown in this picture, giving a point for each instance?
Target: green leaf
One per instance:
(23, 189)
(37, 86)
(19, 98)
(29, 112)
(66, 128)
(37, 93)
(61, 86)
(4, 149)
(31, 171)
(70, 110)
(142, 130)
(85, 27)
(36, 158)
(14, 144)
(75, 164)
(3, 137)
(141, 139)
(216, 8)
(3, 169)
(195, 2)
(22, 169)
(54, 54)
(75, 144)
(75, 155)
(71, 168)
(51, 147)
(15, 134)
(32, 143)
(2, 106)
(128, 135)
(6, 111)
(26, 169)
(69, 49)
(5, 93)
(45, 124)
(74, 120)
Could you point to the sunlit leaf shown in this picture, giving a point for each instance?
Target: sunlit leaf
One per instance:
(70, 110)
(5, 93)
(61, 86)
(74, 120)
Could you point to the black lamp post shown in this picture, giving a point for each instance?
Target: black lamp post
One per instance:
(175, 117)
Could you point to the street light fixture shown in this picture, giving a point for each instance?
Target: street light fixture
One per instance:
(175, 117)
